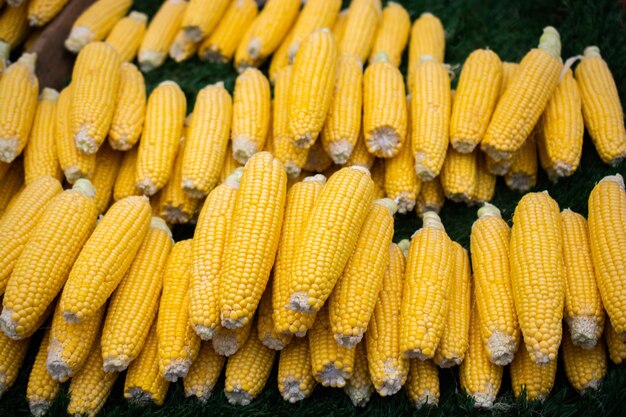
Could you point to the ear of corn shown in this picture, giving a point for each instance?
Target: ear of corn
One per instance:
(143, 383)
(97, 272)
(530, 378)
(430, 116)
(19, 220)
(130, 316)
(354, 297)
(12, 353)
(324, 251)
(230, 165)
(208, 245)
(183, 47)
(393, 33)
(509, 70)
(359, 387)
(40, 156)
(14, 24)
(257, 219)
(427, 38)
(165, 116)
(360, 156)
(42, 390)
(523, 101)
(427, 283)
(40, 12)
(177, 342)
(339, 28)
(47, 258)
(602, 108)
(295, 378)
(18, 103)
(227, 342)
(430, 198)
(485, 181)
(475, 99)
(616, 345)
(265, 324)
(489, 246)
(127, 35)
(560, 130)
(108, 163)
(422, 386)
(459, 175)
(95, 23)
(251, 114)
(537, 275)
(387, 365)
(160, 34)
(361, 26)
(221, 45)
(401, 182)
(585, 368)
(202, 17)
(11, 184)
(204, 373)
(522, 174)
(130, 109)
(96, 81)
(125, 184)
(607, 234)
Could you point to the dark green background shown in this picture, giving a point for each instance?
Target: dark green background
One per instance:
(510, 29)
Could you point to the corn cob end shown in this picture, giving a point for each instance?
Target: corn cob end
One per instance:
(291, 391)
(176, 368)
(78, 38)
(238, 396)
(39, 408)
(9, 326)
(584, 331)
(340, 151)
(488, 210)
(393, 379)
(226, 344)
(243, 149)
(520, 181)
(331, 376)
(348, 341)
(57, 368)
(85, 187)
(383, 141)
(149, 60)
(501, 348)
(615, 178)
(404, 246)
(484, 399)
(84, 142)
(139, 396)
(550, 42)
(5, 49)
(115, 363)
(147, 186)
(421, 167)
(300, 302)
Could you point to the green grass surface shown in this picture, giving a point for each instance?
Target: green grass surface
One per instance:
(510, 29)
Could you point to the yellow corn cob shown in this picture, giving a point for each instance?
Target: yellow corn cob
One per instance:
(130, 109)
(208, 245)
(144, 384)
(430, 115)
(497, 167)
(97, 272)
(160, 34)
(401, 182)
(430, 198)
(96, 76)
(90, 388)
(266, 33)
(425, 298)
(265, 324)
(227, 342)
(454, 340)
(509, 70)
(165, 116)
(18, 103)
(602, 109)
(522, 174)
(384, 108)
(247, 371)
(422, 386)
(41, 12)
(311, 90)
(361, 26)
(560, 130)
(134, 303)
(251, 114)
(523, 101)
(378, 176)
(292, 157)
(257, 219)
(360, 156)
(359, 387)
(485, 181)
(475, 99)
(584, 312)
(392, 34)
(527, 376)
(343, 123)
(155, 204)
(12, 353)
(183, 47)
(125, 182)
(75, 164)
(427, 38)
(585, 368)
(42, 389)
(108, 164)
(40, 156)
(324, 251)
(202, 17)
(70, 344)
(127, 35)
(355, 295)
(230, 165)
(95, 23)
(177, 341)
(295, 377)
(300, 201)
(489, 246)
(177, 206)
(459, 175)
(47, 258)
(331, 364)
(607, 234)
(388, 367)
(204, 373)
(221, 45)
(14, 25)
(339, 28)
(615, 344)
(538, 274)
(11, 184)
(317, 158)
(20, 219)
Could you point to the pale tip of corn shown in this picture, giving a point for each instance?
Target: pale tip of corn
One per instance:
(205, 333)
(188, 120)
(404, 246)
(168, 83)
(138, 396)
(238, 396)
(488, 210)
(212, 54)
(149, 60)
(348, 341)
(299, 302)
(520, 181)
(290, 390)
(416, 353)
(305, 140)
(427, 58)
(427, 14)
(273, 343)
(292, 169)
(49, 94)
(159, 223)
(29, 60)
(501, 348)
(254, 48)
(202, 393)
(583, 331)
(194, 33)
(421, 169)
(147, 186)
(380, 57)
(291, 54)
(57, 368)
(340, 151)
(392, 382)
(78, 38)
(462, 145)
(483, 399)
(225, 343)
(425, 399)
(177, 368)
(141, 17)
(84, 142)
(614, 178)
(8, 325)
(383, 142)
(234, 179)
(405, 202)
(38, 408)
(388, 203)
(219, 84)
(550, 42)
(190, 188)
(330, 376)
(232, 324)
(359, 396)
(315, 178)
(445, 363)
(112, 364)
(5, 49)
(120, 143)
(85, 187)
(360, 168)
(592, 51)
(432, 219)
(243, 149)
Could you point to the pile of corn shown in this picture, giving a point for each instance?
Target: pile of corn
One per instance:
(283, 259)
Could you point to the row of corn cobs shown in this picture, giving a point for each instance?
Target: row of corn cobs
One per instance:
(311, 272)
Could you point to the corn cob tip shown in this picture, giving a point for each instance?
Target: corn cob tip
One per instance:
(234, 179)
(300, 302)
(85, 187)
(78, 38)
(205, 333)
(147, 186)
(232, 323)
(8, 325)
(488, 210)
(381, 57)
(29, 60)
(139, 396)
(340, 151)
(70, 317)
(219, 84)
(501, 348)
(291, 391)
(169, 82)
(149, 60)
(615, 178)
(591, 52)
(426, 14)
(346, 341)
(39, 408)
(360, 168)
(238, 396)
(57, 367)
(383, 139)
(226, 344)
(243, 148)
(315, 178)
(583, 331)
(404, 245)
(4, 50)
(293, 170)
(159, 223)
(550, 42)
(49, 94)
(484, 399)
(432, 219)
(331, 376)
(427, 58)
(389, 204)
(138, 16)
(177, 368)
(84, 142)
(115, 363)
